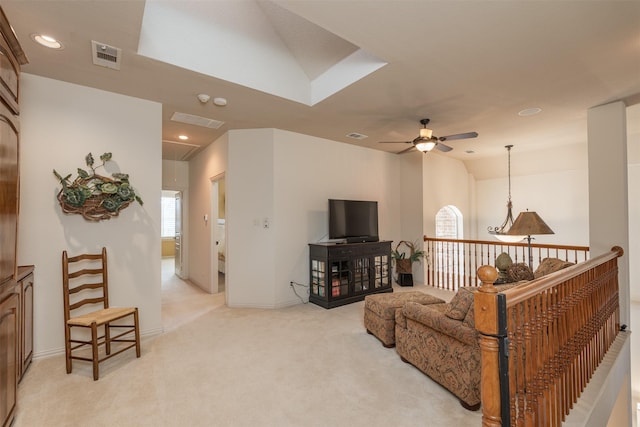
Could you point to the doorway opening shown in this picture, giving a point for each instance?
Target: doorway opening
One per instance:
(169, 226)
(219, 259)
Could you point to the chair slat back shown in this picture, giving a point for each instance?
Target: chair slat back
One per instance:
(84, 281)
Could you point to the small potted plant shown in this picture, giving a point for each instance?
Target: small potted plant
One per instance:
(404, 262)
(94, 196)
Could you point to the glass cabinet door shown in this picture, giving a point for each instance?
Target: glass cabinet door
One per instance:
(318, 287)
(361, 274)
(381, 275)
(339, 279)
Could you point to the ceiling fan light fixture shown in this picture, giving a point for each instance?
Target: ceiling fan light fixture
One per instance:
(426, 133)
(425, 146)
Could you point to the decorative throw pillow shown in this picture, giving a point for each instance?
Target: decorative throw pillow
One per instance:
(503, 261)
(470, 318)
(519, 271)
(550, 265)
(460, 303)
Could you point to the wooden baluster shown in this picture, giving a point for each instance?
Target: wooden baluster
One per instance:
(543, 360)
(456, 266)
(513, 361)
(555, 349)
(528, 365)
(521, 385)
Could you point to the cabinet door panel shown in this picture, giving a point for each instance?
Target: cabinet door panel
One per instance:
(26, 327)
(8, 194)
(340, 278)
(8, 357)
(8, 77)
(361, 274)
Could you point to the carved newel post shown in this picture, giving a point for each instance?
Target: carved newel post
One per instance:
(485, 305)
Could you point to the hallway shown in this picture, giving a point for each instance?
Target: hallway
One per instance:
(182, 301)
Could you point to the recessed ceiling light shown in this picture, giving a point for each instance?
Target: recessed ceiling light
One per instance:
(46, 41)
(183, 137)
(529, 112)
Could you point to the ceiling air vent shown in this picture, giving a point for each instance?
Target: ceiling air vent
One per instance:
(190, 119)
(356, 135)
(105, 55)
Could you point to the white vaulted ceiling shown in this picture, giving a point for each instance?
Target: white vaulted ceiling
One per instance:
(373, 67)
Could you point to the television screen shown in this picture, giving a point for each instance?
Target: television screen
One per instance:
(353, 220)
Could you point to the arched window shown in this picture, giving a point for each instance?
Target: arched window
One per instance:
(449, 256)
(449, 223)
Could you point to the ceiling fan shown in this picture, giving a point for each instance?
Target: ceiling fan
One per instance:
(426, 141)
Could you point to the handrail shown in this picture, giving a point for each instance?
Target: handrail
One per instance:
(553, 332)
(528, 290)
(452, 263)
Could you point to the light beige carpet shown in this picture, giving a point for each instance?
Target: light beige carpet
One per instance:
(297, 366)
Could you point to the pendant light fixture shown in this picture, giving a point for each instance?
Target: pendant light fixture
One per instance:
(501, 232)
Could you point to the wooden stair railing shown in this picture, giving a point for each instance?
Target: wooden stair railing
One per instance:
(542, 341)
(452, 263)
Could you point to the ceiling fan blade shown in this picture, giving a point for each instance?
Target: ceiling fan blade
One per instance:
(459, 136)
(394, 142)
(405, 150)
(442, 147)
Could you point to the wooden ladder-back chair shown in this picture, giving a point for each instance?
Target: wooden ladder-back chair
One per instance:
(87, 284)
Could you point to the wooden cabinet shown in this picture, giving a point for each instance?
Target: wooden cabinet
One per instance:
(16, 338)
(12, 345)
(25, 329)
(347, 272)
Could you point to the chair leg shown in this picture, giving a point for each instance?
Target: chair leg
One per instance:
(107, 338)
(137, 331)
(94, 345)
(67, 346)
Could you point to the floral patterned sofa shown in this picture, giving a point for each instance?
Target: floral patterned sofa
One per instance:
(441, 339)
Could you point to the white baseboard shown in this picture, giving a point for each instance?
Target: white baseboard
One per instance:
(59, 351)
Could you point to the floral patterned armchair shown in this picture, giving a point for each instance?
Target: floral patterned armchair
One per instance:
(441, 339)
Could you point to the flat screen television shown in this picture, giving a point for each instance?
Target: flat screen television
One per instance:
(353, 220)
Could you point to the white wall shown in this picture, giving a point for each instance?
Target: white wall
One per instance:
(307, 172)
(411, 188)
(251, 249)
(446, 182)
(175, 175)
(286, 179)
(560, 197)
(608, 189)
(211, 162)
(633, 182)
(633, 254)
(60, 124)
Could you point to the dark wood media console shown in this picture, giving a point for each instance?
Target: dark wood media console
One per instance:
(346, 272)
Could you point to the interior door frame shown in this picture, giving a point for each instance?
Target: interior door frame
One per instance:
(179, 235)
(214, 238)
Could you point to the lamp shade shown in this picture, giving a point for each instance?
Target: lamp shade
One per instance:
(529, 223)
